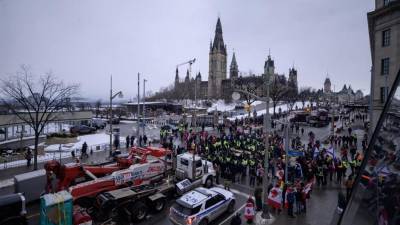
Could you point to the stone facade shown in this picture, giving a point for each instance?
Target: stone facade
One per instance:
(327, 86)
(384, 33)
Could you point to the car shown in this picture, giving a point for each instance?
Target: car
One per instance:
(82, 129)
(114, 120)
(201, 206)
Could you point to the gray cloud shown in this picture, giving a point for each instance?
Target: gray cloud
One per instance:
(86, 41)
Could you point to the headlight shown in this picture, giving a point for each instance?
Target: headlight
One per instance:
(190, 220)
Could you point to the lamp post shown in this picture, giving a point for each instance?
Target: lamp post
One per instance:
(265, 183)
(138, 109)
(144, 107)
(112, 96)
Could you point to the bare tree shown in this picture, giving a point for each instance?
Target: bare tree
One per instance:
(277, 93)
(35, 102)
(304, 95)
(244, 84)
(291, 97)
(98, 106)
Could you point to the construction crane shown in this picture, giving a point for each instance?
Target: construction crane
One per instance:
(190, 62)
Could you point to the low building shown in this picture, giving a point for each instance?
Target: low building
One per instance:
(154, 108)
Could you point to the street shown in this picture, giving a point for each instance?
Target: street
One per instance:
(325, 196)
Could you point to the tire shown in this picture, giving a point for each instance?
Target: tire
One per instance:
(139, 211)
(159, 205)
(209, 182)
(204, 222)
(231, 207)
(85, 202)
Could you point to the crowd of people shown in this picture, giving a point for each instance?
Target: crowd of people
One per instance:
(237, 153)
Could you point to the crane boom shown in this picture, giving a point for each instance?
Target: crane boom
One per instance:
(190, 62)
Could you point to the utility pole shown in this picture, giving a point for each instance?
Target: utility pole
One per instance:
(111, 115)
(144, 106)
(138, 109)
(265, 182)
(287, 143)
(119, 94)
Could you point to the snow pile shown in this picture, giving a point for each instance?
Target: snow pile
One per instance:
(284, 108)
(41, 158)
(220, 105)
(90, 139)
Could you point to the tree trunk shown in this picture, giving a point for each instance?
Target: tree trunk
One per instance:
(274, 107)
(35, 152)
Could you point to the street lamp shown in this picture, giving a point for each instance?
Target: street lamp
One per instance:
(236, 96)
(112, 96)
(144, 106)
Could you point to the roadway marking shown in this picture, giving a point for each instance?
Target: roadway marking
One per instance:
(235, 191)
(234, 213)
(32, 215)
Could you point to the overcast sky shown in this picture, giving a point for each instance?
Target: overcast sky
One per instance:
(85, 41)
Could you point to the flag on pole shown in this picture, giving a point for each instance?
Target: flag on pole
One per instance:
(331, 152)
(316, 152)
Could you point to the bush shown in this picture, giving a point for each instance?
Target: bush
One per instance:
(62, 135)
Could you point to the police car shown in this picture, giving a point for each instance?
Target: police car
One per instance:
(201, 206)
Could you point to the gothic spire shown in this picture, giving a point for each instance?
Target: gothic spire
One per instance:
(234, 63)
(218, 44)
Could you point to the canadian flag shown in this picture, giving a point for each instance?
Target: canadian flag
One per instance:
(275, 197)
(279, 174)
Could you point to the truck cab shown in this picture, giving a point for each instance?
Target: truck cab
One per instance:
(193, 171)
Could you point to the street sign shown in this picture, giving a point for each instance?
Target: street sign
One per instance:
(295, 153)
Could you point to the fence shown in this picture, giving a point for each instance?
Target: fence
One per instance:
(11, 159)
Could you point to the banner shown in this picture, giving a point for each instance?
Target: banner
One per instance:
(316, 152)
(331, 152)
(295, 153)
(275, 197)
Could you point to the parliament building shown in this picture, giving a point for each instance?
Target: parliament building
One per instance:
(219, 86)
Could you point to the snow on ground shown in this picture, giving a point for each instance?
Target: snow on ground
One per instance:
(284, 108)
(220, 105)
(90, 139)
(41, 158)
(52, 151)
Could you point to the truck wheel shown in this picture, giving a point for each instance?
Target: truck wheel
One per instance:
(85, 202)
(203, 222)
(159, 205)
(139, 211)
(231, 207)
(209, 182)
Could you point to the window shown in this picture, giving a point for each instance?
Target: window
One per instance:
(386, 38)
(385, 66)
(210, 202)
(214, 200)
(386, 2)
(185, 162)
(383, 94)
(186, 211)
(198, 163)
